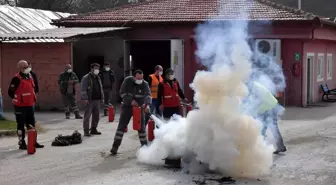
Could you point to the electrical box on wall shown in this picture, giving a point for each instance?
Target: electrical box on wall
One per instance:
(268, 47)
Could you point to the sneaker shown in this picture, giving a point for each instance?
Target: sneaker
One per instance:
(94, 131)
(37, 145)
(280, 150)
(78, 116)
(22, 145)
(114, 151)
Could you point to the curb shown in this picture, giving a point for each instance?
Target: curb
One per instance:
(4, 133)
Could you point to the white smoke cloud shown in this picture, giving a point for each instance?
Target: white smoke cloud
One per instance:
(221, 133)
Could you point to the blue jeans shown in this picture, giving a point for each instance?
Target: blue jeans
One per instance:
(154, 109)
(270, 120)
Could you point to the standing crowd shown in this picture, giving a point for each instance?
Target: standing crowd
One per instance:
(161, 95)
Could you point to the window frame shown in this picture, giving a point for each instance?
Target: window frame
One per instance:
(329, 66)
(320, 76)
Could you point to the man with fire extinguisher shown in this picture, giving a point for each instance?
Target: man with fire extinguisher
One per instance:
(135, 92)
(22, 92)
(170, 95)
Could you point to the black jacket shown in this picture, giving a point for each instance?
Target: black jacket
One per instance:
(112, 78)
(35, 82)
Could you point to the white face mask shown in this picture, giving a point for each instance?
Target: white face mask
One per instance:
(160, 73)
(69, 70)
(138, 82)
(26, 71)
(96, 71)
(107, 68)
(171, 77)
(30, 68)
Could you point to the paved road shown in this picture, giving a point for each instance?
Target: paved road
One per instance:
(311, 159)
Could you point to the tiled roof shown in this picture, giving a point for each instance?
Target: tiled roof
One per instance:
(16, 20)
(188, 11)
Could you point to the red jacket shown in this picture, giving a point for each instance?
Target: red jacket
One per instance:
(170, 95)
(25, 94)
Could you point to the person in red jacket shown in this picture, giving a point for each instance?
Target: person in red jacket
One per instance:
(22, 92)
(170, 95)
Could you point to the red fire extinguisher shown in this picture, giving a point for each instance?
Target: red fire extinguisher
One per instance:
(31, 140)
(136, 118)
(151, 125)
(111, 113)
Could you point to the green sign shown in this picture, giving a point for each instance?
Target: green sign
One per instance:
(297, 56)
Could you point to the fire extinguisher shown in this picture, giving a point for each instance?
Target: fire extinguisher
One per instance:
(111, 113)
(31, 140)
(296, 69)
(151, 126)
(136, 118)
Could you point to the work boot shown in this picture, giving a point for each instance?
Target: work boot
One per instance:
(280, 150)
(67, 115)
(94, 131)
(114, 151)
(105, 113)
(37, 145)
(22, 145)
(78, 116)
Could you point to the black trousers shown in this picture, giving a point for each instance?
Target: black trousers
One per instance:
(125, 117)
(24, 116)
(168, 112)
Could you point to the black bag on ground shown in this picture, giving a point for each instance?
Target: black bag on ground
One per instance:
(75, 138)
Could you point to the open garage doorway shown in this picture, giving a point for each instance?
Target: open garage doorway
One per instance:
(146, 54)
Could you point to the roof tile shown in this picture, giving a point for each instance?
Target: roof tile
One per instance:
(191, 11)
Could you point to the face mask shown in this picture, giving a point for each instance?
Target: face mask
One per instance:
(138, 82)
(160, 73)
(26, 71)
(69, 70)
(30, 68)
(107, 68)
(96, 71)
(171, 77)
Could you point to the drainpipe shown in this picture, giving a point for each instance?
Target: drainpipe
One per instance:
(299, 4)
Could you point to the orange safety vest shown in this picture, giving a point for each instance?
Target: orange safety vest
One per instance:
(24, 95)
(170, 95)
(155, 85)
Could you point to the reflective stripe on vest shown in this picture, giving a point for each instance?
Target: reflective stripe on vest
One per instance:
(24, 94)
(155, 85)
(170, 95)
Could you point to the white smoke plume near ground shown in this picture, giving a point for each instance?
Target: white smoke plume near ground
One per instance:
(221, 133)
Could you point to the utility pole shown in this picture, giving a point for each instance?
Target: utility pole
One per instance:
(299, 4)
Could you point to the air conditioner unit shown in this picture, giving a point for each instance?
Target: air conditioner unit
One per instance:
(268, 47)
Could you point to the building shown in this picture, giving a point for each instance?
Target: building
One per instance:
(162, 31)
(43, 54)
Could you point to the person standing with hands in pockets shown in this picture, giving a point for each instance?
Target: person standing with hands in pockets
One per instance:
(93, 96)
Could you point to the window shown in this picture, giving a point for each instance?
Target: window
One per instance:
(320, 67)
(329, 66)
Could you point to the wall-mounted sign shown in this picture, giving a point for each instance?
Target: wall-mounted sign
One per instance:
(297, 56)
